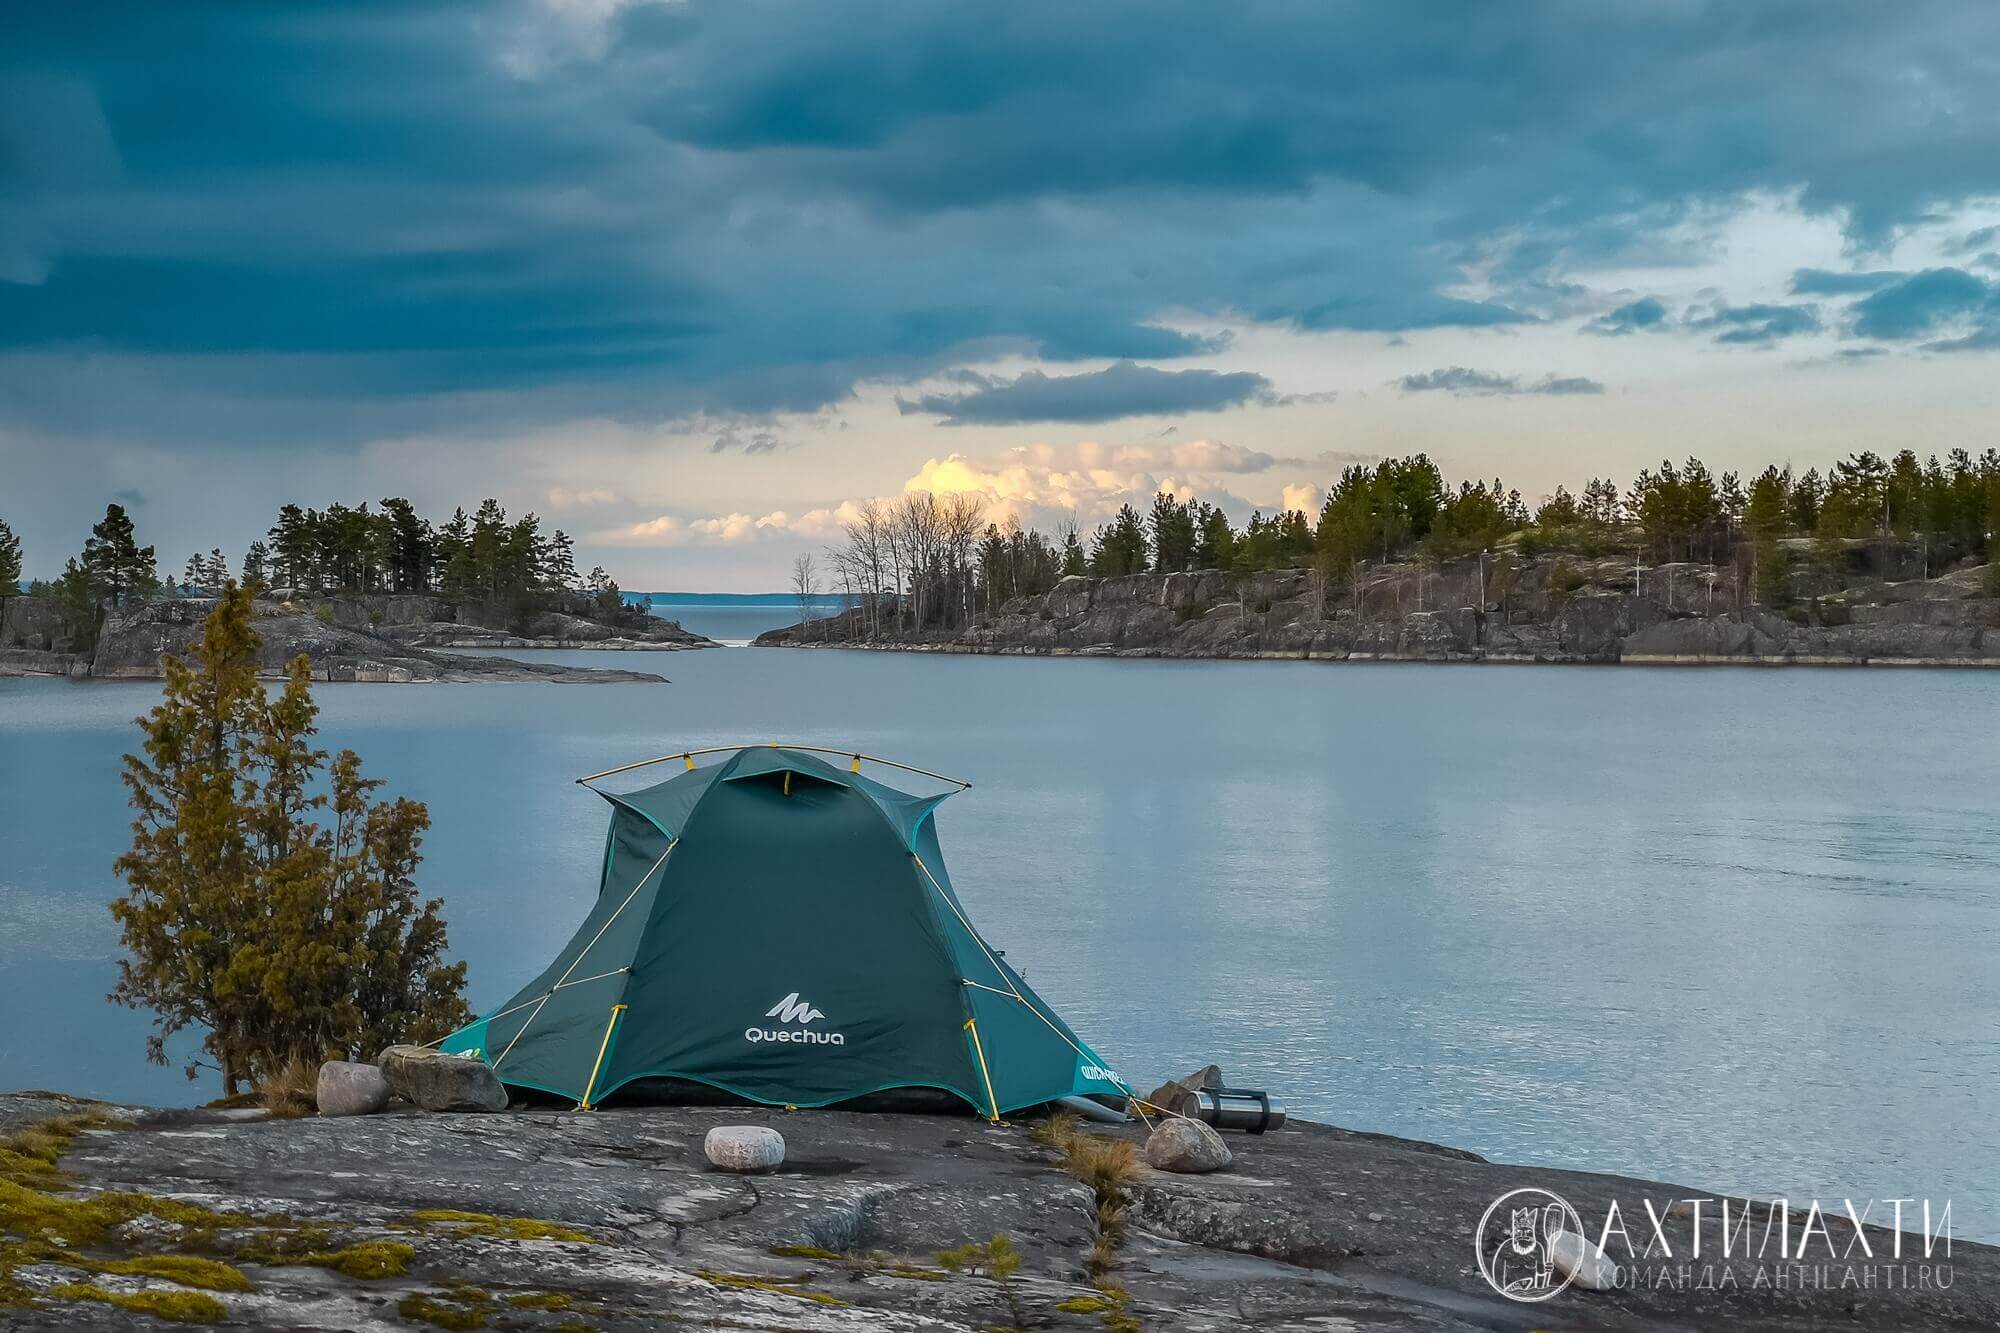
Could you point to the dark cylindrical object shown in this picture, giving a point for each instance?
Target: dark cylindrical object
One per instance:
(1246, 1109)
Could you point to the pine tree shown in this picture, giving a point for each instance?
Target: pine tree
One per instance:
(1764, 514)
(558, 565)
(256, 565)
(118, 567)
(10, 561)
(1072, 555)
(272, 900)
(293, 548)
(411, 547)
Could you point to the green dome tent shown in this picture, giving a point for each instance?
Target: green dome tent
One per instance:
(781, 929)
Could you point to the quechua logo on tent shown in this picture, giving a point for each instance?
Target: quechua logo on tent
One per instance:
(792, 1009)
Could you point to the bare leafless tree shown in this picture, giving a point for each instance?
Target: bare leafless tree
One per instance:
(805, 586)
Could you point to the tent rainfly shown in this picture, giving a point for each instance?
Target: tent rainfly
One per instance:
(781, 929)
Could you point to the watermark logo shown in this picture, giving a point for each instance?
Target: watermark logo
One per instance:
(1516, 1243)
(1532, 1244)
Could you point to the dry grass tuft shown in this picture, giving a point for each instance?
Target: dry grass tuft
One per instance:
(291, 1091)
(1108, 1165)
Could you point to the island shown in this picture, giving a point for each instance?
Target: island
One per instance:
(1870, 603)
(349, 637)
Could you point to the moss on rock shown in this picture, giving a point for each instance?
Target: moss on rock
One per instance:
(187, 1307)
(466, 1225)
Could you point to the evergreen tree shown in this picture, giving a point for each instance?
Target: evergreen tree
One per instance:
(488, 548)
(1215, 540)
(1173, 531)
(1120, 545)
(117, 566)
(10, 561)
(293, 549)
(410, 546)
(256, 563)
(1764, 516)
(271, 900)
(559, 565)
(1072, 555)
(453, 558)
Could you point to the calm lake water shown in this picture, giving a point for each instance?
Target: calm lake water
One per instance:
(1735, 928)
(734, 619)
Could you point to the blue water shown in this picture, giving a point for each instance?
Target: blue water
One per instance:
(1734, 928)
(734, 618)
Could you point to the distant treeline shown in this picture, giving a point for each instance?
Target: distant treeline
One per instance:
(510, 567)
(924, 560)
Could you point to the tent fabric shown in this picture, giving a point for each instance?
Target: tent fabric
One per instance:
(783, 930)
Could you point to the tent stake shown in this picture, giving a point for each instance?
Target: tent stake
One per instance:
(605, 1046)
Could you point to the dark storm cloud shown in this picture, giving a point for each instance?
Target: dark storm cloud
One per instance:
(1758, 323)
(1937, 301)
(1463, 381)
(1121, 390)
(1826, 282)
(1640, 316)
(376, 217)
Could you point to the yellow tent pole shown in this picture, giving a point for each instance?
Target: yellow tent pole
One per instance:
(602, 1048)
(972, 1026)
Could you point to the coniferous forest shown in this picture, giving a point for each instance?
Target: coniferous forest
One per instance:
(928, 561)
(508, 568)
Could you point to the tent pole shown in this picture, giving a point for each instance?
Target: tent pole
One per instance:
(602, 1049)
(993, 1105)
(688, 757)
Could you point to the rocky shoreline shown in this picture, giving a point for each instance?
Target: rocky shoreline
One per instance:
(548, 1219)
(1879, 611)
(384, 638)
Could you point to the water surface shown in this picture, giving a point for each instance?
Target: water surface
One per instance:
(1736, 928)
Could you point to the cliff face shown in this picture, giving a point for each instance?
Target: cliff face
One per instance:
(345, 640)
(1539, 609)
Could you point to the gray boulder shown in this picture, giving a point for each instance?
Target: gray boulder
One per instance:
(744, 1148)
(439, 1082)
(1186, 1146)
(347, 1087)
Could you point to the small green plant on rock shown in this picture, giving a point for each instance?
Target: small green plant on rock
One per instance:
(997, 1258)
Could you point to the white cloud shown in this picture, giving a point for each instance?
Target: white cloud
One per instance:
(1307, 499)
(578, 497)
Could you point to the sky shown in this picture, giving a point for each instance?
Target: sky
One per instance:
(691, 280)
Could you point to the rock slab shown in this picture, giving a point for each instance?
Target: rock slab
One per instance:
(1186, 1146)
(439, 1082)
(747, 1149)
(347, 1087)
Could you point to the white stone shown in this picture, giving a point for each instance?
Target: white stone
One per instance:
(1581, 1262)
(348, 1088)
(747, 1148)
(1187, 1146)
